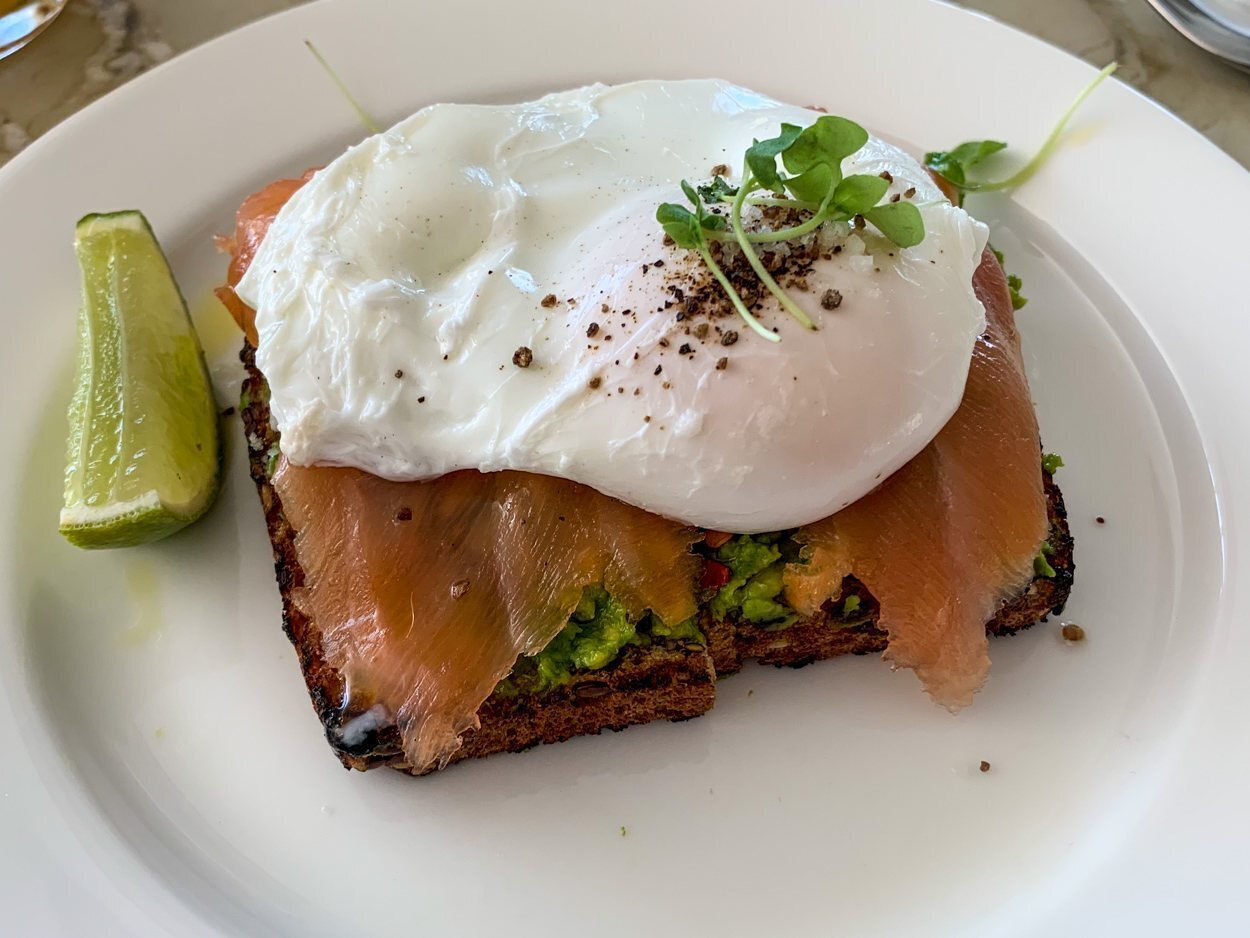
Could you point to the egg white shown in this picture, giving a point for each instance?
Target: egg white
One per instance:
(394, 289)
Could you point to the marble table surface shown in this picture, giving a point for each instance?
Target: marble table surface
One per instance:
(97, 45)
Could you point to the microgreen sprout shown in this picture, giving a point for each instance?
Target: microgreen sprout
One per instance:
(690, 230)
(954, 165)
(370, 124)
(809, 179)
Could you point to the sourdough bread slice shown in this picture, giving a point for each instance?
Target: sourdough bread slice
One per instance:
(665, 680)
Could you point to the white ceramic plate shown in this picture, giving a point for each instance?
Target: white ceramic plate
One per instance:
(162, 770)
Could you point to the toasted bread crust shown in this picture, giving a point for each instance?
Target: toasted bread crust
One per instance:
(661, 681)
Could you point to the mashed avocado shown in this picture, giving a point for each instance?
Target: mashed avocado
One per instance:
(596, 634)
(753, 592)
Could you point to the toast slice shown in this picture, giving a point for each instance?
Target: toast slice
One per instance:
(665, 679)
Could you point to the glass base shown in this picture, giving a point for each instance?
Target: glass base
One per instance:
(23, 20)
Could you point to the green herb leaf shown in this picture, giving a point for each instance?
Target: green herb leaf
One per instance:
(713, 222)
(690, 193)
(898, 221)
(1051, 463)
(857, 194)
(813, 185)
(829, 141)
(954, 165)
(680, 224)
(974, 151)
(850, 605)
(762, 157)
(816, 155)
(717, 190)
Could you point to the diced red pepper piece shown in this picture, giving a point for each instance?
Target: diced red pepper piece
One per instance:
(715, 575)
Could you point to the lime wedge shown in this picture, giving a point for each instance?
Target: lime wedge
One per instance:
(143, 458)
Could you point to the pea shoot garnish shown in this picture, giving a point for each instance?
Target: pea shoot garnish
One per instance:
(955, 165)
(691, 230)
(810, 180)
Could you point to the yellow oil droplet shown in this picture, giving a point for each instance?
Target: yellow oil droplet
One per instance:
(219, 334)
(144, 587)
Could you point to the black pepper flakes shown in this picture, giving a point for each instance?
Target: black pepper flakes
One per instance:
(459, 588)
(592, 330)
(722, 364)
(859, 222)
(549, 301)
(729, 338)
(885, 174)
(658, 369)
(831, 299)
(594, 383)
(420, 400)
(701, 330)
(1100, 520)
(523, 357)
(228, 412)
(985, 766)
(911, 191)
(895, 197)
(404, 514)
(399, 372)
(685, 349)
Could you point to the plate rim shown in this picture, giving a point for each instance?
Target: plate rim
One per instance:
(64, 135)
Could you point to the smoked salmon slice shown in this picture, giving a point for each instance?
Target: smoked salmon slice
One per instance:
(252, 221)
(950, 536)
(425, 593)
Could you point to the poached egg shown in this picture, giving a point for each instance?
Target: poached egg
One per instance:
(486, 287)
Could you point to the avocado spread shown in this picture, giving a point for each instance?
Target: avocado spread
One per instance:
(756, 564)
(596, 634)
